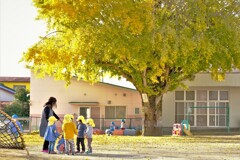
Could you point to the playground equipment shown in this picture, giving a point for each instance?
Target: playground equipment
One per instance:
(10, 138)
(177, 129)
(186, 128)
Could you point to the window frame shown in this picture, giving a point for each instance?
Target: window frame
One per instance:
(115, 112)
(208, 112)
(135, 109)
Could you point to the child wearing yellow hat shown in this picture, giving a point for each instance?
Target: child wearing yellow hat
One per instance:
(51, 134)
(69, 129)
(89, 132)
(80, 137)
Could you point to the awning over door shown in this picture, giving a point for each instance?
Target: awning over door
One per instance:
(84, 103)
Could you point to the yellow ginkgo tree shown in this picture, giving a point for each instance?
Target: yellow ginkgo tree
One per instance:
(155, 44)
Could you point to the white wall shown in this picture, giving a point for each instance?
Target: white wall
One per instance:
(42, 89)
(168, 109)
(204, 79)
(234, 105)
(79, 91)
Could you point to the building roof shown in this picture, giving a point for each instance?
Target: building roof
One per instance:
(111, 84)
(115, 85)
(83, 103)
(10, 90)
(14, 79)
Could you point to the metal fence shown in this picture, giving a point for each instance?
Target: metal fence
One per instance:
(131, 123)
(32, 123)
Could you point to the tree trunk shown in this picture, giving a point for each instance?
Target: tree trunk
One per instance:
(152, 116)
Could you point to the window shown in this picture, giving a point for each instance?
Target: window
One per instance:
(115, 112)
(183, 101)
(85, 112)
(223, 95)
(201, 95)
(208, 107)
(183, 111)
(179, 95)
(137, 111)
(190, 95)
(15, 87)
(213, 95)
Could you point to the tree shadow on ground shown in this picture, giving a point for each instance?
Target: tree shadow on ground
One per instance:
(11, 154)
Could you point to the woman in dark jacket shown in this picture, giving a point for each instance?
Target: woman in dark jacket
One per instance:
(46, 113)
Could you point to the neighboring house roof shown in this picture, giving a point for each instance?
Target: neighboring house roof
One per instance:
(14, 79)
(7, 89)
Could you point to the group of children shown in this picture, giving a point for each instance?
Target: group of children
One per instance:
(113, 127)
(84, 129)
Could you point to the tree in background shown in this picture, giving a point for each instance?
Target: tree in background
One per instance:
(20, 105)
(155, 44)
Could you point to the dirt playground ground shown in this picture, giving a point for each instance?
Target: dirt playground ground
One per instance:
(141, 148)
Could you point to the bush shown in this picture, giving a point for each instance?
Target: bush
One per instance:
(18, 109)
(20, 105)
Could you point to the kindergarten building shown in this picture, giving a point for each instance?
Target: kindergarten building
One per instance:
(207, 104)
(102, 101)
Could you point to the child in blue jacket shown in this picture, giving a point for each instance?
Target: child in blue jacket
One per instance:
(61, 145)
(12, 127)
(51, 134)
(111, 129)
(80, 137)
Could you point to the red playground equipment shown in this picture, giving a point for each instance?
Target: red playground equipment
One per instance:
(177, 129)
